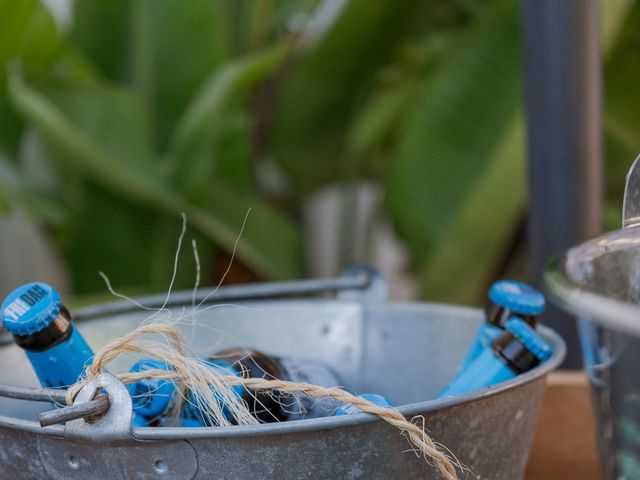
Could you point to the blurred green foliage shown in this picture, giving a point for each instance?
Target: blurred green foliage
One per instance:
(141, 110)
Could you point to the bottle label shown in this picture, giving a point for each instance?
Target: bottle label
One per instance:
(300, 406)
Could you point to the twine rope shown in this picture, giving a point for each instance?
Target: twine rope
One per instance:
(191, 374)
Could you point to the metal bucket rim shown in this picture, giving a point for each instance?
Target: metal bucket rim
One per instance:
(585, 304)
(316, 424)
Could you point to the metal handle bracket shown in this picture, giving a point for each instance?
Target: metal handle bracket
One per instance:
(115, 425)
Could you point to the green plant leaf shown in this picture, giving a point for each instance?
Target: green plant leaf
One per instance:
(615, 13)
(621, 104)
(221, 84)
(268, 233)
(28, 31)
(377, 119)
(323, 92)
(233, 155)
(108, 232)
(175, 46)
(28, 35)
(371, 136)
(190, 145)
(254, 24)
(164, 49)
(11, 125)
(468, 252)
(16, 18)
(74, 135)
(111, 115)
(101, 32)
(17, 189)
(457, 185)
(452, 132)
(63, 126)
(77, 116)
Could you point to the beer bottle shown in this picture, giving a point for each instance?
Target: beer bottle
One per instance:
(508, 298)
(518, 349)
(33, 313)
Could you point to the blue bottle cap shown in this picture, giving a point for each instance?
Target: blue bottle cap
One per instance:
(30, 308)
(517, 296)
(537, 345)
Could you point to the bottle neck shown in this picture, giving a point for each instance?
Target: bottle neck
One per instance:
(53, 334)
(513, 352)
(497, 316)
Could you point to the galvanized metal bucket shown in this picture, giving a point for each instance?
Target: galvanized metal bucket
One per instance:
(406, 351)
(599, 281)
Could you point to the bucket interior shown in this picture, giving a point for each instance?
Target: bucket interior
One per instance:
(406, 352)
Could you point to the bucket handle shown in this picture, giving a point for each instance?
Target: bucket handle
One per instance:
(358, 283)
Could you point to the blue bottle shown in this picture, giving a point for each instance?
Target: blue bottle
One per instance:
(151, 396)
(514, 352)
(192, 416)
(508, 298)
(191, 422)
(347, 408)
(41, 325)
(139, 421)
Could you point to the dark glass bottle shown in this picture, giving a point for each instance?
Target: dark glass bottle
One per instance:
(273, 406)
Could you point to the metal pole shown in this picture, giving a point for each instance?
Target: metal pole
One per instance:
(563, 110)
